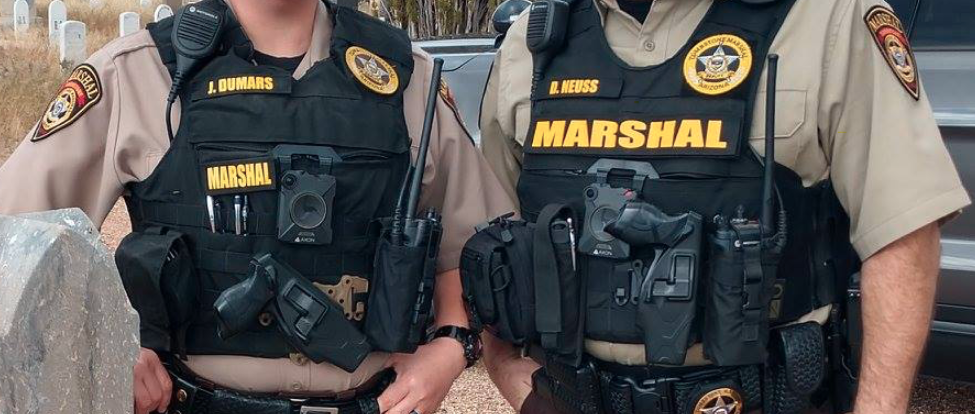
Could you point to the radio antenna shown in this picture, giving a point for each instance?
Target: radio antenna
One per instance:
(768, 176)
(421, 159)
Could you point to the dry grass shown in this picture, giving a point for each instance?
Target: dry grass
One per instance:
(29, 69)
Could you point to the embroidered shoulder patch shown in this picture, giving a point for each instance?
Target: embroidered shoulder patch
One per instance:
(76, 96)
(888, 33)
(372, 71)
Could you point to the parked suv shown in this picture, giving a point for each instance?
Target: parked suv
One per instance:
(943, 35)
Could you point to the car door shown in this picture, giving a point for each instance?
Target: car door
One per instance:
(943, 36)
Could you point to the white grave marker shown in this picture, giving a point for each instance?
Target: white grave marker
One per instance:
(21, 16)
(162, 12)
(72, 43)
(57, 13)
(128, 23)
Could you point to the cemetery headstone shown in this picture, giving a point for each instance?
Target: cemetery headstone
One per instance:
(162, 12)
(68, 335)
(72, 44)
(21, 16)
(57, 14)
(128, 23)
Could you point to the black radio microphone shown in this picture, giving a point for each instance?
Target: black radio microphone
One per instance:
(196, 36)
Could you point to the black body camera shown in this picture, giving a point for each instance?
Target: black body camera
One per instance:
(306, 194)
(604, 202)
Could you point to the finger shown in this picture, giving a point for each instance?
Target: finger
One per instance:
(393, 395)
(155, 391)
(166, 386)
(407, 405)
(141, 398)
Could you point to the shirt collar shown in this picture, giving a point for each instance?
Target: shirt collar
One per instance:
(321, 41)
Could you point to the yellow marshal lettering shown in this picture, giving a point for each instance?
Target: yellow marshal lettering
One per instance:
(578, 135)
(661, 134)
(633, 136)
(241, 84)
(604, 134)
(629, 134)
(269, 83)
(213, 178)
(549, 134)
(713, 139)
(690, 134)
(239, 176)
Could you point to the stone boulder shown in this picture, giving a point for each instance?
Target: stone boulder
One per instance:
(68, 335)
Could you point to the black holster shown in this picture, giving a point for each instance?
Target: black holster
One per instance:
(157, 272)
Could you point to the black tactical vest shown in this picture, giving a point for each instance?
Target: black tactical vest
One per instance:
(591, 106)
(234, 113)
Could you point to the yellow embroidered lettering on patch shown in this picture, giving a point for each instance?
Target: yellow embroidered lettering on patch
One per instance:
(372, 71)
(239, 176)
(576, 87)
(77, 95)
(675, 137)
(718, 64)
(888, 34)
(241, 84)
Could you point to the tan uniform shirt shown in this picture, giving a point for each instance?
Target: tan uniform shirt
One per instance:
(842, 114)
(123, 137)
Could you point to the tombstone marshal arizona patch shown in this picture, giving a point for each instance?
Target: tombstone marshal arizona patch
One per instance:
(372, 71)
(888, 33)
(718, 64)
(76, 96)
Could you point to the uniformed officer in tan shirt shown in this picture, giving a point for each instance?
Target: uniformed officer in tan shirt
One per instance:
(847, 110)
(120, 138)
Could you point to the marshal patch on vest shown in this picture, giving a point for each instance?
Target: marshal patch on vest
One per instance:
(718, 64)
(372, 71)
(665, 137)
(888, 33)
(720, 401)
(77, 95)
(239, 176)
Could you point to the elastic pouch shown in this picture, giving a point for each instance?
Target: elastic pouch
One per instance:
(400, 296)
(736, 330)
(159, 278)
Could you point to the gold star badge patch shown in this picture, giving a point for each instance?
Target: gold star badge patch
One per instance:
(76, 96)
(888, 33)
(719, 401)
(718, 64)
(372, 71)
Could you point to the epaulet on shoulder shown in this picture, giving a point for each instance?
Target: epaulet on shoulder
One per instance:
(161, 32)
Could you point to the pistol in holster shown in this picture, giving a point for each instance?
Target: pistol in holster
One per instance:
(309, 320)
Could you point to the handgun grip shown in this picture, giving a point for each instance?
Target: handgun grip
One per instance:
(239, 306)
(641, 223)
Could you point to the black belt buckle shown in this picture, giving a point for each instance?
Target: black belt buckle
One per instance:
(649, 396)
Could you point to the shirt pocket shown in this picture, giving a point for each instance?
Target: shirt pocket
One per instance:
(790, 124)
(523, 115)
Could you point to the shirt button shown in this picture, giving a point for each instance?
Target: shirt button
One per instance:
(295, 386)
(649, 45)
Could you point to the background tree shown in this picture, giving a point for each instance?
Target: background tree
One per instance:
(429, 18)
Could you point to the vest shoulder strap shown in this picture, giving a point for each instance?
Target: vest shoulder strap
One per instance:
(161, 33)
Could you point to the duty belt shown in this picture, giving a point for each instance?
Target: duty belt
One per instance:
(192, 396)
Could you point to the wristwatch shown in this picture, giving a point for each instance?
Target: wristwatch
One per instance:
(469, 339)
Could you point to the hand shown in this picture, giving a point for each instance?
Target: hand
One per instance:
(152, 385)
(424, 378)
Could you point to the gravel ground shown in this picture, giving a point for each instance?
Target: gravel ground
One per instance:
(474, 392)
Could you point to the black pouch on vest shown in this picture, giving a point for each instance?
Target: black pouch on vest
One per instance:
(559, 299)
(157, 271)
(401, 294)
(741, 272)
(496, 272)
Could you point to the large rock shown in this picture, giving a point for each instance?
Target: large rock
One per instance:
(68, 335)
